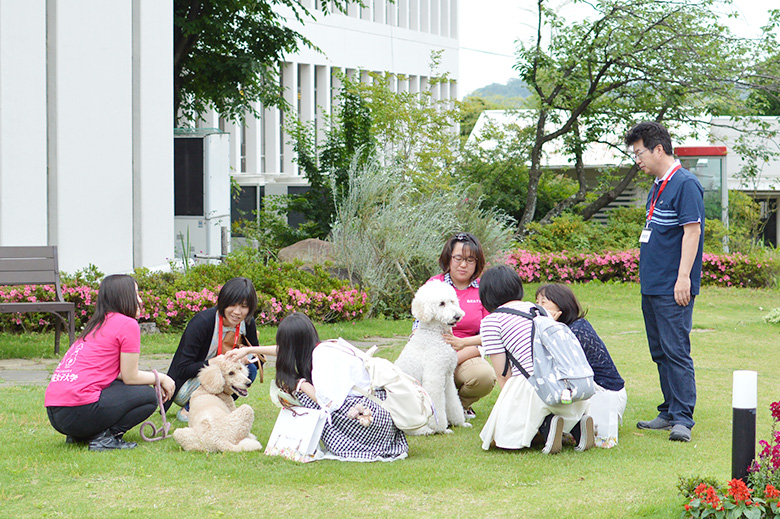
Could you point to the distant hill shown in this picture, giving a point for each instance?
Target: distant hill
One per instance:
(513, 89)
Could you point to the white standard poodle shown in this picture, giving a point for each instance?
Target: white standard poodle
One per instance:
(215, 425)
(432, 361)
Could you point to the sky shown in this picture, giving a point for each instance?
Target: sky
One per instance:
(489, 28)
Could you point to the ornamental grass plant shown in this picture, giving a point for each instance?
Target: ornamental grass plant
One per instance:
(445, 476)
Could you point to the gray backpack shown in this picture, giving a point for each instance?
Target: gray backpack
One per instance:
(562, 374)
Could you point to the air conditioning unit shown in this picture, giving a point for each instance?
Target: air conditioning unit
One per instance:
(201, 185)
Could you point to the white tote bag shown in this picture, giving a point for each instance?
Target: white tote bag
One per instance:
(603, 407)
(296, 434)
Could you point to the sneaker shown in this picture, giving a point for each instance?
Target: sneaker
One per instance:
(183, 415)
(553, 443)
(106, 441)
(588, 439)
(657, 423)
(469, 413)
(680, 433)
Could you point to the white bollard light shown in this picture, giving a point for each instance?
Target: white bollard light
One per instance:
(744, 401)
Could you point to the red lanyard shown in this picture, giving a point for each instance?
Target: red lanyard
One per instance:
(653, 200)
(219, 340)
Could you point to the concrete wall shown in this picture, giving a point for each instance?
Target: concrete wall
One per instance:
(23, 184)
(85, 130)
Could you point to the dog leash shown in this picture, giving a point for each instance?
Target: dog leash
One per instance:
(166, 426)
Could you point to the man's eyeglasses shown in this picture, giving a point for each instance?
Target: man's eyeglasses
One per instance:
(460, 259)
(638, 154)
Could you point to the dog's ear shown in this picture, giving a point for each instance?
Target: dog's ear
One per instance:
(422, 304)
(211, 379)
(418, 309)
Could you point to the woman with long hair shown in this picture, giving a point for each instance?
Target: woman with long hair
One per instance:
(97, 393)
(323, 375)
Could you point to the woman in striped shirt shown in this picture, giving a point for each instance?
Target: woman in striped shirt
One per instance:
(519, 414)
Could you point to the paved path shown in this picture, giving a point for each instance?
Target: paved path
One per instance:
(36, 372)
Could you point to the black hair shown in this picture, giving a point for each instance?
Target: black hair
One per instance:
(117, 293)
(296, 339)
(564, 298)
(652, 134)
(471, 247)
(237, 291)
(498, 286)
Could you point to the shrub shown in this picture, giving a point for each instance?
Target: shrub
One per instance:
(719, 270)
(170, 299)
(390, 236)
(570, 232)
(773, 317)
(623, 225)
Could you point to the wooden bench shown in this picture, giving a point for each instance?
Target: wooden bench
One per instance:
(37, 266)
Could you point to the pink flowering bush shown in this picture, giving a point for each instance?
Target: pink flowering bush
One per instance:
(341, 304)
(170, 299)
(717, 269)
(84, 297)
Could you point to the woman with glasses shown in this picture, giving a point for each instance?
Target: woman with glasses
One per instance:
(461, 262)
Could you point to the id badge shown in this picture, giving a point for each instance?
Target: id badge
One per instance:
(645, 236)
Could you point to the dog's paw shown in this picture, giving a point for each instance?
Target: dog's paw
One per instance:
(422, 431)
(466, 424)
(447, 431)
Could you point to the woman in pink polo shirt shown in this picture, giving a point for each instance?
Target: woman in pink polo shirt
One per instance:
(97, 393)
(461, 262)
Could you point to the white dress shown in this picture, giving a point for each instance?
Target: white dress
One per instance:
(518, 412)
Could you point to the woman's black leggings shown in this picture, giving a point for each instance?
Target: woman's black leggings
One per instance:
(120, 408)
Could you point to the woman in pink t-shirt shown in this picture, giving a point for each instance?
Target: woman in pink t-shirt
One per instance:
(461, 262)
(97, 393)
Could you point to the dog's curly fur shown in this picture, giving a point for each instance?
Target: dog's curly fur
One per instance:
(432, 361)
(215, 425)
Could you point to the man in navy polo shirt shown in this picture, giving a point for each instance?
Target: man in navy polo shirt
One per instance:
(670, 273)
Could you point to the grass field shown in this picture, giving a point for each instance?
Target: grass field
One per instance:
(444, 476)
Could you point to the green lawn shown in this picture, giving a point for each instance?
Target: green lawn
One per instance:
(444, 476)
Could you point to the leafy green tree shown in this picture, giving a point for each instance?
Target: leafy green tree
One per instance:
(469, 111)
(226, 53)
(413, 131)
(495, 164)
(325, 165)
(667, 60)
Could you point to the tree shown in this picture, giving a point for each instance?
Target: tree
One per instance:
(666, 60)
(470, 109)
(410, 130)
(226, 53)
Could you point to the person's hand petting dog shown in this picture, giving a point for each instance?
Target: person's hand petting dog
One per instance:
(239, 353)
(243, 352)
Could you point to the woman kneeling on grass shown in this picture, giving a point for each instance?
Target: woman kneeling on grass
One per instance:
(213, 332)
(519, 414)
(320, 375)
(97, 393)
(562, 305)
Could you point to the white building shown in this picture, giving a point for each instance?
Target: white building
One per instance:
(86, 145)
(86, 148)
(396, 37)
